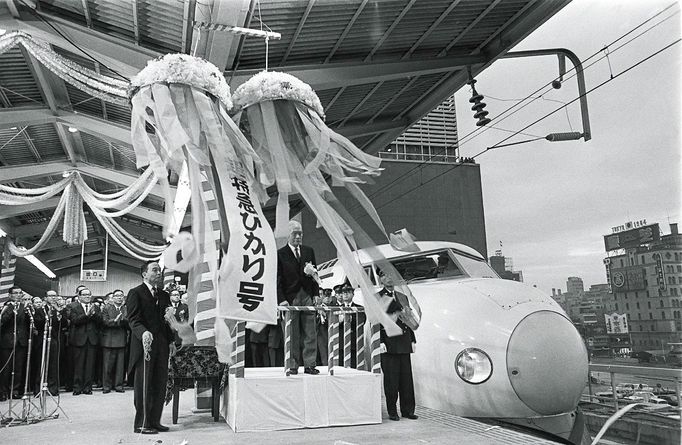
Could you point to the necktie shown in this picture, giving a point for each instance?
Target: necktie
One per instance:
(298, 254)
(87, 308)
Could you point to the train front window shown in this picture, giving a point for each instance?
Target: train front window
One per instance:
(439, 264)
(442, 264)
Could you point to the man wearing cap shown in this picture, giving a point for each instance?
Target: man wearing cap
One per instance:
(296, 288)
(395, 358)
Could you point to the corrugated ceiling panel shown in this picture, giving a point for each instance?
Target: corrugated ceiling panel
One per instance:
(17, 81)
(160, 24)
(379, 98)
(280, 19)
(14, 150)
(347, 101)
(412, 26)
(124, 157)
(368, 29)
(46, 141)
(407, 100)
(97, 149)
(322, 29)
(68, 9)
(84, 103)
(118, 113)
(114, 17)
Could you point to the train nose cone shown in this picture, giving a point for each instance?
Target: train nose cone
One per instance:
(547, 363)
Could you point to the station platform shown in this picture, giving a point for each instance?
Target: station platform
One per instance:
(108, 418)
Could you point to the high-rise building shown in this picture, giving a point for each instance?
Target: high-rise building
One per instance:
(431, 139)
(645, 273)
(505, 267)
(574, 285)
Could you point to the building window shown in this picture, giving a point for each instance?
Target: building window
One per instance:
(663, 315)
(647, 294)
(648, 303)
(642, 259)
(638, 305)
(661, 303)
(679, 268)
(621, 263)
(636, 295)
(651, 316)
(616, 307)
(653, 327)
(627, 306)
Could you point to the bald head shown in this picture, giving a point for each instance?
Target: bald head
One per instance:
(295, 233)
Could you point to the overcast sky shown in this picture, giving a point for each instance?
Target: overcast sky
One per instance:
(551, 203)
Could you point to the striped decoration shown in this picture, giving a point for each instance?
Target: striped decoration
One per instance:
(239, 351)
(204, 321)
(376, 352)
(6, 273)
(287, 342)
(347, 339)
(333, 321)
(360, 344)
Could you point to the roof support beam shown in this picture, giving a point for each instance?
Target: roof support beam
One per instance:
(7, 212)
(136, 26)
(72, 262)
(335, 75)
(356, 128)
(118, 54)
(86, 13)
(308, 8)
(187, 28)
(30, 171)
(389, 30)
(346, 30)
(221, 46)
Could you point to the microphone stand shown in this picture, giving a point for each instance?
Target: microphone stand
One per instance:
(28, 405)
(45, 371)
(11, 414)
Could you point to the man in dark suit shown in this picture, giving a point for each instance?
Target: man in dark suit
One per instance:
(14, 313)
(151, 343)
(114, 336)
(296, 288)
(395, 358)
(55, 317)
(85, 318)
(181, 312)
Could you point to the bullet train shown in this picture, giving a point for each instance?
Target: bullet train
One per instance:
(487, 348)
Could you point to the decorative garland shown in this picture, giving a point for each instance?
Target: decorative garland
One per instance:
(97, 85)
(183, 69)
(273, 85)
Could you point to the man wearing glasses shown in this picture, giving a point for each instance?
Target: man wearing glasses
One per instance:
(85, 318)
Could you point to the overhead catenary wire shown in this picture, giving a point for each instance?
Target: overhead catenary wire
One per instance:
(480, 130)
(536, 121)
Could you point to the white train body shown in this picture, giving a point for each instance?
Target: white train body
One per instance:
(538, 360)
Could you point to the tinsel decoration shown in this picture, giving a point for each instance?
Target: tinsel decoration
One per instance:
(75, 229)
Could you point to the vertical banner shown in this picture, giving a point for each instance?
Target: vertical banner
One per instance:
(247, 284)
(8, 265)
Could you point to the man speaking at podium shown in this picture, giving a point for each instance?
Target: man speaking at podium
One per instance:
(151, 342)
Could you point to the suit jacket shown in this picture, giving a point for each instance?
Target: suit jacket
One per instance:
(84, 328)
(399, 344)
(290, 275)
(114, 332)
(181, 312)
(7, 326)
(145, 313)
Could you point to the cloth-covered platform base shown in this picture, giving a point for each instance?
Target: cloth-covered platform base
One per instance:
(265, 399)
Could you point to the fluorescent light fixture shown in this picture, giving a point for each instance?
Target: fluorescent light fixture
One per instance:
(13, 128)
(73, 129)
(2, 31)
(2, 233)
(66, 174)
(42, 267)
(237, 30)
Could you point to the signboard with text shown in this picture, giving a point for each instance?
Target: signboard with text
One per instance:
(628, 279)
(632, 238)
(93, 275)
(616, 323)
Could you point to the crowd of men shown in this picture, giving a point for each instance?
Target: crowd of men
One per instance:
(72, 344)
(81, 342)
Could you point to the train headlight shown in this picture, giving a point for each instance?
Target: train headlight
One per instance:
(473, 366)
